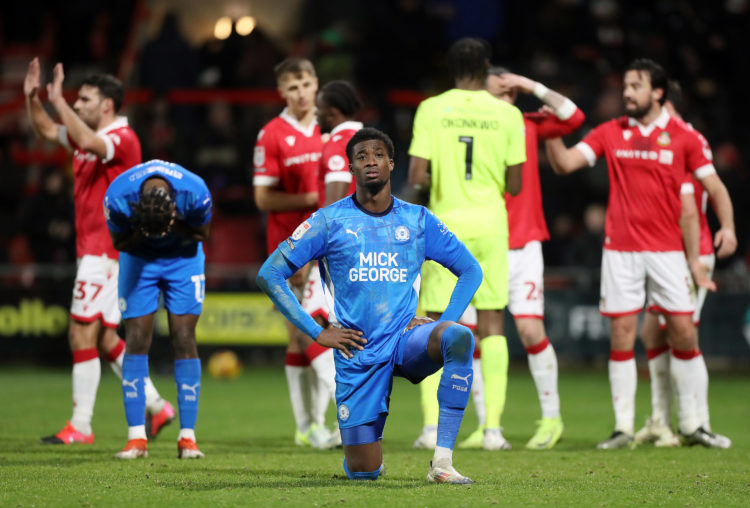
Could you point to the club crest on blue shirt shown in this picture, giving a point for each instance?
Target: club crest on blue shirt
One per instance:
(402, 233)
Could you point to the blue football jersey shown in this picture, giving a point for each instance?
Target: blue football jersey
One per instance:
(192, 201)
(371, 265)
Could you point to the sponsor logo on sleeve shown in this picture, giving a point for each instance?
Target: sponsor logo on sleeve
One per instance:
(300, 231)
(336, 163)
(259, 155)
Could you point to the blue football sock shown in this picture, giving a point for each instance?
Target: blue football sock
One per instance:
(134, 374)
(457, 346)
(362, 475)
(187, 375)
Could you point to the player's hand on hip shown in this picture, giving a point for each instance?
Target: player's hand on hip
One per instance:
(31, 82)
(725, 241)
(700, 276)
(342, 339)
(416, 321)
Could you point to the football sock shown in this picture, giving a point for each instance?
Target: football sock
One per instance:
(134, 373)
(661, 387)
(543, 367)
(457, 347)
(362, 475)
(622, 383)
(691, 384)
(296, 376)
(428, 389)
(495, 373)
(322, 363)
(114, 357)
(186, 434)
(87, 371)
(187, 375)
(704, 416)
(477, 389)
(154, 402)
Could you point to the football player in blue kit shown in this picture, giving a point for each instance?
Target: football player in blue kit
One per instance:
(370, 247)
(158, 214)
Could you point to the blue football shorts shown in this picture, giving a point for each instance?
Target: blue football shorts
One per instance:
(181, 279)
(363, 391)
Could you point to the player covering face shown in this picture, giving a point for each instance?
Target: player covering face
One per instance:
(370, 248)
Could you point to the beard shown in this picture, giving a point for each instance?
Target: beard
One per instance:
(375, 186)
(639, 111)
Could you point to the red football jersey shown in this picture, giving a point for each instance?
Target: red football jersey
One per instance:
(701, 196)
(334, 164)
(647, 166)
(525, 214)
(92, 176)
(286, 157)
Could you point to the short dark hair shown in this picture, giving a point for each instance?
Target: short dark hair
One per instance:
(367, 134)
(109, 87)
(343, 96)
(469, 58)
(675, 93)
(498, 70)
(293, 65)
(656, 72)
(153, 211)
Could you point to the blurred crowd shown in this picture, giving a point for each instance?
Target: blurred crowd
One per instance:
(578, 47)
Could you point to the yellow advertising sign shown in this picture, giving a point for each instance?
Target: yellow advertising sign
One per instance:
(235, 318)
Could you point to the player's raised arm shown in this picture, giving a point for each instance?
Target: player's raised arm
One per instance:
(43, 125)
(81, 134)
(562, 159)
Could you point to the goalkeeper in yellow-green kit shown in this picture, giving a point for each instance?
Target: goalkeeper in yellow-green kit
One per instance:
(469, 148)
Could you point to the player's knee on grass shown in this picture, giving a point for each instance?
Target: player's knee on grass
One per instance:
(362, 475)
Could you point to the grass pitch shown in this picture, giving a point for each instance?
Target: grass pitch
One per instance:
(245, 428)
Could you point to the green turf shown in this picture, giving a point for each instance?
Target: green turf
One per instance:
(245, 428)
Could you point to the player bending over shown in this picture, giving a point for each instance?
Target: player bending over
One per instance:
(370, 249)
(158, 214)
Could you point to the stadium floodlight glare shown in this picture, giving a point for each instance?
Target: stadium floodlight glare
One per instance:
(223, 28)
(245, 25)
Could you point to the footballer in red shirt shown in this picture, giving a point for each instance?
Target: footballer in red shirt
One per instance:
(103, 146)
(649, 154)
(338, 103)
(285, 182)
(654, 330)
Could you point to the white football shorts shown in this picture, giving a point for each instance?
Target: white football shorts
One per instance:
(630, 279)
(699, 293)
(526, 281)
(95, 291)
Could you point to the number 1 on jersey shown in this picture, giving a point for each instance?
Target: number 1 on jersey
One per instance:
(469, 140)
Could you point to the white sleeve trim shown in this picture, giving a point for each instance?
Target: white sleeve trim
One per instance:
(62, 136)
(587, 152)
(704, 171)
(687, 188)
(338, 176)
(110, 148)
(265, 180)
(566, 110)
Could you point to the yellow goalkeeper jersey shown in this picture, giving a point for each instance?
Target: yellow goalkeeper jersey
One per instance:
(469, 137)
